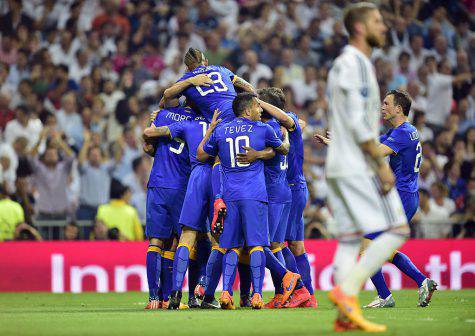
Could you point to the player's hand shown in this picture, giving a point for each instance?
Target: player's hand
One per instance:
(162, 102)
(386, 178)
(215, 121)
(153, 115)
(200, 80)
(249, 156)
(321, 139)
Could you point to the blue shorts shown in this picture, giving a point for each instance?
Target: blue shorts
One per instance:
(410, 203)
(295, 226)
(163, 211)
(245, 223)
(278, 218)
(196, 206)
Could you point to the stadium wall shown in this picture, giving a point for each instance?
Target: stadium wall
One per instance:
(120, 266)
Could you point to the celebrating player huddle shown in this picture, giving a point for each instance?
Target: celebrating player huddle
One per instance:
(227, 192)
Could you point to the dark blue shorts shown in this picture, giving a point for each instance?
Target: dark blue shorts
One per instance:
(163, 212)
(278, 219)
(196, 206)
(410, 203)
(295, 226)
(245, 223)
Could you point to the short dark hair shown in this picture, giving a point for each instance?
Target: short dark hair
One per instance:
(117, 189)
(241, 102)
(356, 13)
(401, 98)
(136, 163)
(273, 95)
(193, 58)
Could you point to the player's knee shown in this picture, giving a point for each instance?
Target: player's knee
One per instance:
(275, 245)
(297, 247)
(188, 236)
(156, 242)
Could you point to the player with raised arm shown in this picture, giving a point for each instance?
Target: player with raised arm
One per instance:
(216, 92)
(401, 143)
(165, 195)
(361, 184)
(244, 191)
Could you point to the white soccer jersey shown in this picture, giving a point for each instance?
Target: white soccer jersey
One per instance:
(354, 113)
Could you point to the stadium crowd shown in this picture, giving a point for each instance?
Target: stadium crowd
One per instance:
(78, 80)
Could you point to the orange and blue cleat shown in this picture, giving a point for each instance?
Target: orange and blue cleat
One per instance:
(226, 301)
(153, 304)
(256, 301)
(288, 284)
(275, 302)
(298, 298)
(199, 291)
(217, 225)
(312, 303)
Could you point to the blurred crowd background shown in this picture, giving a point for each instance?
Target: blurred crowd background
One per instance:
(78, 80)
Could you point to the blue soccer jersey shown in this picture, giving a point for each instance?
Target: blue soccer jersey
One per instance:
(407, 156)
(242, 181)
(171, 166)
(295, 176)
(192, 132)
(219, 95)
(275, 171)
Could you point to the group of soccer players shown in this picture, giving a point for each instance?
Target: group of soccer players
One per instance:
(227, 192)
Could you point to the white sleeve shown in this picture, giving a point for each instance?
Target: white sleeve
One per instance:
(353, 79)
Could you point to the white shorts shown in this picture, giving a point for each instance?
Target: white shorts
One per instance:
(359, 208)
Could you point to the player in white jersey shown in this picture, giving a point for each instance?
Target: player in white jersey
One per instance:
(361, 184)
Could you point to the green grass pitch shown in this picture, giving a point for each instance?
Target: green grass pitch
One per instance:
(450, 313)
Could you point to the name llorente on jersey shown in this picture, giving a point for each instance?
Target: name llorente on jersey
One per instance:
(177, 117)
(238, 129)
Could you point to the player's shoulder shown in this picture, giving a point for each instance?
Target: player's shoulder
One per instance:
(407, 130)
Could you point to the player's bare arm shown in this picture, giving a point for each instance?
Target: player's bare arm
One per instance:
(252, 155)
(283, 118)
(302, 124)
(285, 147)
(379, 164)
(243, 85)
(156, 132)
(177, 88)
(201, 155)
(382, 148)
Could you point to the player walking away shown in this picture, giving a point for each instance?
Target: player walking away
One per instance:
(217, 91)
(360, 181)
(165, 196)
(401, 143)
(244, 191)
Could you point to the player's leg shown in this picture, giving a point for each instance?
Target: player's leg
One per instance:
(244, 270)
(157, 229)
(167, 269)
(213, 274)
(197, 269)
(219, 206)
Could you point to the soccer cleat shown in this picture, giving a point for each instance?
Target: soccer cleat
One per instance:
(210, 305)
(275, 302)
(349, 307)
(183, 306)
(298, 297)
(256, 301)
(175, 300)
(343, 324)
(153, 304)
(312, 303)
(193, 302)
(199, 291)
(217, 225)
(378, 302)
(226, 301)
(165, 304)
(289, 281)
(245, 301)
(425, 292)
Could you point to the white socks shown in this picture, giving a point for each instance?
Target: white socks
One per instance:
(345, 259)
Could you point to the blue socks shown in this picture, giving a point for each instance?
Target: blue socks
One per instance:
(305, 272)
(258, 266)
(153, 264)
(193, 272)
(380, 284)
(402, 261)
(213, 270)
(230, 262)
(180, 265)
(167, 274)
(290, 262)
(274, 265)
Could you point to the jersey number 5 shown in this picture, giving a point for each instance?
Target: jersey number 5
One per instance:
(218, 84)
(418, 162)
(234, 145)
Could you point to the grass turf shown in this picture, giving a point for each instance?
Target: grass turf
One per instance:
(122, 313)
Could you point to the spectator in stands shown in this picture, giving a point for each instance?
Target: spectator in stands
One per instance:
(71, 231)
(434, 220)
(253, 68)
(95, 179)
(24, 125)
(137, 182)
(51, 177)
(118, 214)
(99, 231)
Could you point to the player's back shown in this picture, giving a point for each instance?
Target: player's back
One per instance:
(219, 95)
(242, 180)
(171, 166)
(275, 171)
(405, 162)
(295, 158)
(192, 132)
(354, 112)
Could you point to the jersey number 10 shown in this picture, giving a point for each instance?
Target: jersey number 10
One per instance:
(234, 145)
